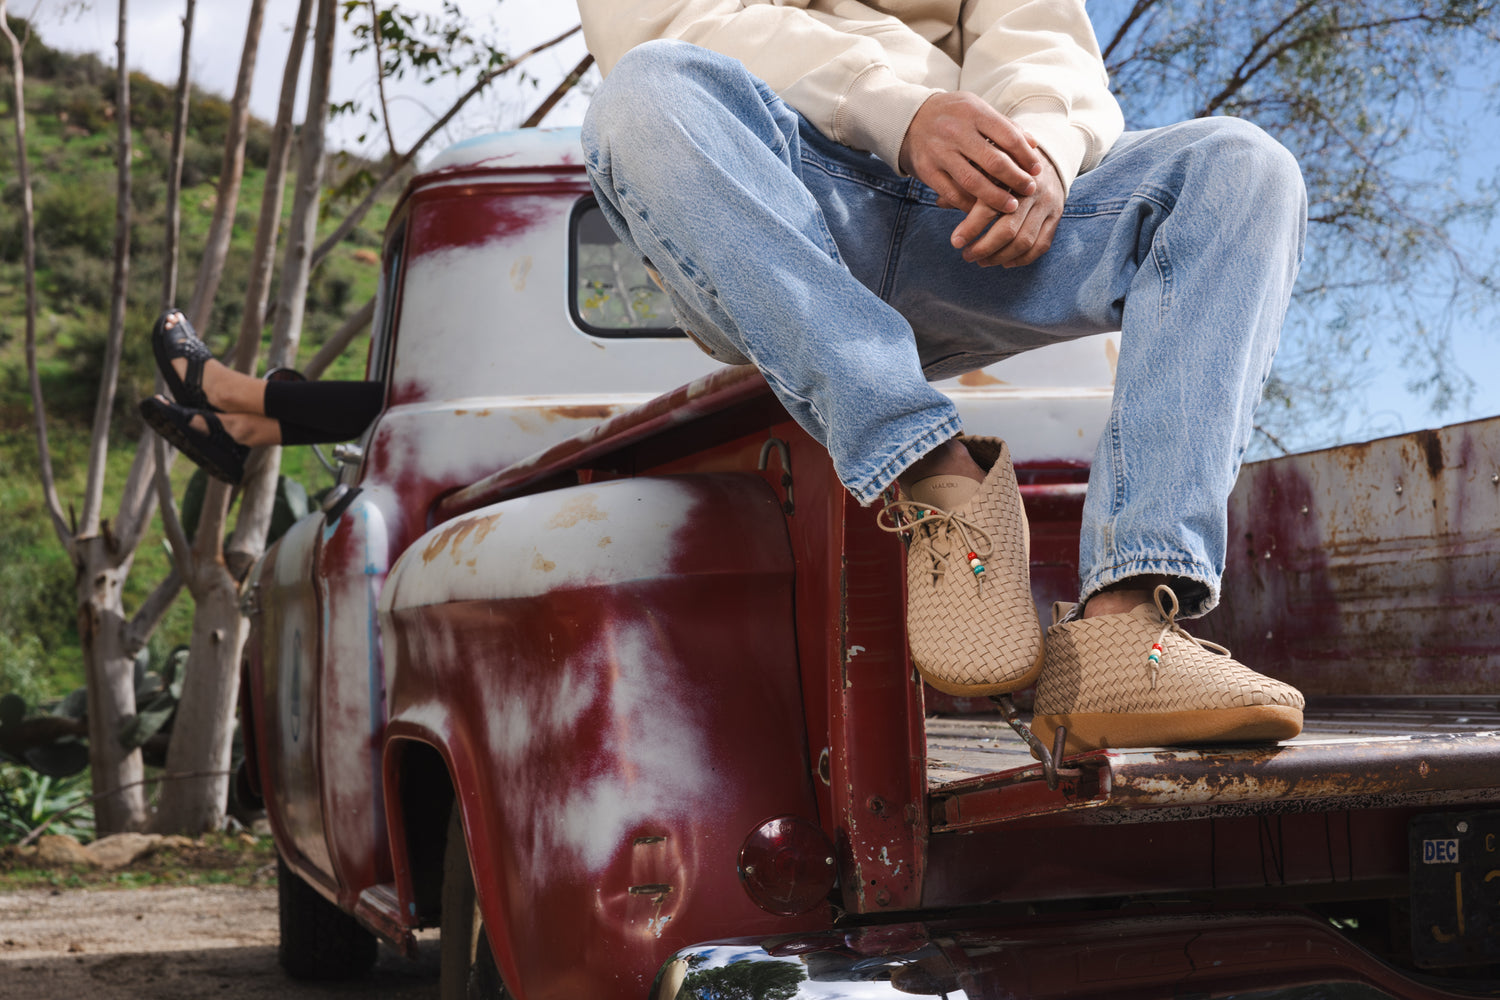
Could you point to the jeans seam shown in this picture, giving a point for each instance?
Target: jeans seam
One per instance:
(893, 251)
(853, 176)
(684, 264)
(1163, 261)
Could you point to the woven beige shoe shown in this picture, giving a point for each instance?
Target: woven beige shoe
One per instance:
(970, 619)
(1137, 679)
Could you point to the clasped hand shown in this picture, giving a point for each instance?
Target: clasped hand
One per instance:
(980, 162)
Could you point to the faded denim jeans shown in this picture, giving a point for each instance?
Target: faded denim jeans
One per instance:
(835, 276)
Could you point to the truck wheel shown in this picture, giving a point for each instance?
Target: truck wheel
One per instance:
(318, 940)
(468, 967)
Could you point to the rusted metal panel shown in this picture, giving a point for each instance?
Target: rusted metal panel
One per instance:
(876, 723)
(1349, 755)
(351, 565)
(708, 396)
(1370, 569)
(616, 691)
(1352, 853)
(286, 591)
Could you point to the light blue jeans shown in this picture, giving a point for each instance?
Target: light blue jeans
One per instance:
(835, 276)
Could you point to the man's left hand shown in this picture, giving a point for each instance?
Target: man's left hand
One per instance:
(988, 238)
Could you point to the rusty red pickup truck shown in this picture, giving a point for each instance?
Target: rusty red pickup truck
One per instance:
(589, 660)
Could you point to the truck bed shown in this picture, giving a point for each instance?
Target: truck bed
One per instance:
(1353, 753)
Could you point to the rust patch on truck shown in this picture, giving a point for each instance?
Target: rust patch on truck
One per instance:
(581, 509)
(599, 411)
(1431, 444)
(454, 536)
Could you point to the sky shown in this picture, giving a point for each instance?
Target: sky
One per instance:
(154, 41)
(1384, 406)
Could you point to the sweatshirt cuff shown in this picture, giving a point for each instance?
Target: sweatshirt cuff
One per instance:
(1071, 148)
(875, 112)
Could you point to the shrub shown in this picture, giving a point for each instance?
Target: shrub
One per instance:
(78, 214)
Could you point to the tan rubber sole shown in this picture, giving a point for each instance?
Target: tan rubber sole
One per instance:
(985, 690)
(1094, 730)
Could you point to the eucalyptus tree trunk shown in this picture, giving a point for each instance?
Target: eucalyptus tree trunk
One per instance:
(202, 736)
(98, 558)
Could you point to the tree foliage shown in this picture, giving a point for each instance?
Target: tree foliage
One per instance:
(1381, 101)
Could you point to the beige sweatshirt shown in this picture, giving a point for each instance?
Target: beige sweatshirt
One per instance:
(860, 70)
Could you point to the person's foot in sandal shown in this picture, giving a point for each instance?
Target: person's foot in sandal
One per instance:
(194, 377)
(216, 442)
(1136, 678)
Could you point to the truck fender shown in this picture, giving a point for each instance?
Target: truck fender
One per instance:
(609, 672)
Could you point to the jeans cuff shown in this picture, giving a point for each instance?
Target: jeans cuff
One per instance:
(867, 486)
(1197, 588)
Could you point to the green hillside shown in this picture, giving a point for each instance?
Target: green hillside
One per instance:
(71, 138)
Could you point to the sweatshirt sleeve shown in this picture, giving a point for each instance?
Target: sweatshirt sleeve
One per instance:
(1037, 62)
(859, 76)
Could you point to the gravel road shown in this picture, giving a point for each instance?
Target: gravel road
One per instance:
(171, 944)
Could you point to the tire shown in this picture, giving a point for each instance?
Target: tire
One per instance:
(468, 966)
(319, 941)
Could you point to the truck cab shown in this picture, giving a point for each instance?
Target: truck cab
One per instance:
(591, 660)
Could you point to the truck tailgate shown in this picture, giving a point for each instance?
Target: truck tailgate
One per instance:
(1353, 753)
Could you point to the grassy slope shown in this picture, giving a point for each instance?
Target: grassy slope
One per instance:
(73, 174)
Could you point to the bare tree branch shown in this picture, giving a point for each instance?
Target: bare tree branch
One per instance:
(1247, 71)
(174, 167)
(93, 497)
(1136, 13)
(151, 611)
(263, 259)
(559, 92)
(171, 524)
(395, 166)
(339, 342)
(385, 108)
(231, 173)
(28, 230)
(138, 499)
(260, 483)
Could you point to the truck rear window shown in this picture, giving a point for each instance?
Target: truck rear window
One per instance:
(613, 295)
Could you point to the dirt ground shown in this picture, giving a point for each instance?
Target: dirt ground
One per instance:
(170, 943)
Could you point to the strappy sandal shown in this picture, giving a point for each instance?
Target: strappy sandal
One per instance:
(215, 452)
(181, 341)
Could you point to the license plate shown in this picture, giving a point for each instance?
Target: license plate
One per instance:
(1455, 889)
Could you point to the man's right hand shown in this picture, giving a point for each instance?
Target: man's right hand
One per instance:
(968, 153)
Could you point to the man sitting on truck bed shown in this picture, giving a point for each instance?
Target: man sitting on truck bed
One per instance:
(858, 197)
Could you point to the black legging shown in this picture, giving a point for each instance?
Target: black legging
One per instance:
(323, 412)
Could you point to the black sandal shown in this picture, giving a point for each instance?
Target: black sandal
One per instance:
(215, 452)
(181, 341)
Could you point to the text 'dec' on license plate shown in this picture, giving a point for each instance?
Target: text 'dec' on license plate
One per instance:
(1455, 889)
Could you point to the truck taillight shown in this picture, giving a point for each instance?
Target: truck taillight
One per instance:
(787, 866)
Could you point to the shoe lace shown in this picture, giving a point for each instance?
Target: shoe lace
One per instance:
(932, 531)
(1169, 617)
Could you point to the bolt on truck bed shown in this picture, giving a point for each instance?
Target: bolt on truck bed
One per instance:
(1367, 575)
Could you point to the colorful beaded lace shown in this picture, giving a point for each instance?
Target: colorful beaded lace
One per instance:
(1170, 618)
(939, 529)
